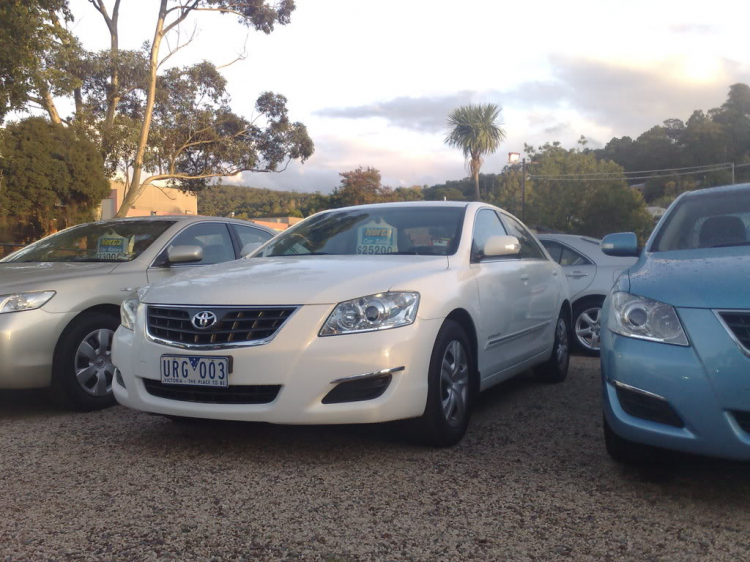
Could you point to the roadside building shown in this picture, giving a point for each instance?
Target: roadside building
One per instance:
(153, 201)
(277, 223)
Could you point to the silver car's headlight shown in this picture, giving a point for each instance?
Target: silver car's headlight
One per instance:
(375, 312)
(24, 301)
(129, 308)
(638, 317)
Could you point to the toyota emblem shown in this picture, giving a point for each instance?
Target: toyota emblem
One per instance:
(204, 320)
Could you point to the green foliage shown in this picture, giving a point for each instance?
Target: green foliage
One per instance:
(719, 135)
(33, 43)
(50, 177)
(476, 131)
(593, 207)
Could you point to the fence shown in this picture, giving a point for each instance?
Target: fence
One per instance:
(9, 248)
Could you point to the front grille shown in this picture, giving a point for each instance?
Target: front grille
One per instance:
(738, 324)
(743, 420)
(233, 325)
(235, 394)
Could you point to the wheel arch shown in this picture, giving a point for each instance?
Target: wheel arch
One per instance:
(106, 308)
(462, 317)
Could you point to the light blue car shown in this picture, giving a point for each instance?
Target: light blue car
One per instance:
(675, 339)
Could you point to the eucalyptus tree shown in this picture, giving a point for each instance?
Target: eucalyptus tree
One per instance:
(476, 130)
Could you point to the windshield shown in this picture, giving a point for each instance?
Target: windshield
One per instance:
(114, 241)
(429, 231)
(712, 220)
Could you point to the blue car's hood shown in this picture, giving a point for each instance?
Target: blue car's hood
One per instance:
(710, 278)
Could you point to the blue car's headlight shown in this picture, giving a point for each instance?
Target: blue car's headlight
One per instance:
(638, 317)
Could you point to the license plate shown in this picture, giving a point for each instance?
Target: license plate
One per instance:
(195, 370)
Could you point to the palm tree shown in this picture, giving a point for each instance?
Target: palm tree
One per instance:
(476, 131)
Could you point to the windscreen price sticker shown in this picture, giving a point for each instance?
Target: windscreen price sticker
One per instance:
(114, 247)
(376, 238)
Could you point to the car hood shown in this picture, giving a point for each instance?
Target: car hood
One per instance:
(711, 278)
(16, 276)
(290, 280)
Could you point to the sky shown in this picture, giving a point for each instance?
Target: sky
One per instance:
(374, 80)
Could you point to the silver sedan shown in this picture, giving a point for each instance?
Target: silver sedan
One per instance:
(591, 274)
(60, 297)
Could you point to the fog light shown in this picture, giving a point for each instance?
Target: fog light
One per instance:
(118, 378)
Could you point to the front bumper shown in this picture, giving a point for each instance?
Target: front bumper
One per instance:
(305, 366)
(705, 385)
(27, 345)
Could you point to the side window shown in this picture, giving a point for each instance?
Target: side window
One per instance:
(487, 224)
(554, 249)
(250, 238)
(213, 237)
(570, 257)
(529, 249)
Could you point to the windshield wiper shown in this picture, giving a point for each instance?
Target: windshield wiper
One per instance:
(299, 255)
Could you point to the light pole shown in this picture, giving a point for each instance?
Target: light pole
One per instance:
(513, 158)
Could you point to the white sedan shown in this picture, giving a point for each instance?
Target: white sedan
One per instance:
(356, 315)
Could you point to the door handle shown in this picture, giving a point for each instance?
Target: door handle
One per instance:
(525, 277)
(577, 274)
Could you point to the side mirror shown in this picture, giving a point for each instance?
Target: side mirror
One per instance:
(184, 254)
(497, 246)
(622, 244)
(249, 248)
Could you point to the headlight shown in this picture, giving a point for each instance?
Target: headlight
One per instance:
(24, 301)
(375, 312)
(129, 308)
(646, 319)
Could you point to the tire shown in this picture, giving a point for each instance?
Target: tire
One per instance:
(555, 370)
(587, 325)
(627, 452)
(450, 389)
(83, 354)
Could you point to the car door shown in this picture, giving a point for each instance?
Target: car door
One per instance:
(213, 237)
(503, 299)
(579, 269)
(250, 237)
(540, 276)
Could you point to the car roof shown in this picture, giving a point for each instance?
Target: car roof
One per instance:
(404, 204)
(709, 191)
(186, 219)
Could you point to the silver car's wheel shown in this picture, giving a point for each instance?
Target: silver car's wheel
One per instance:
(454, 383)
(588, 328)
(93, 363)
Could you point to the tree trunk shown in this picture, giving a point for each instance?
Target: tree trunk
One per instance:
(114, 83)
(477, 196)
(49, 105)
(135, 183)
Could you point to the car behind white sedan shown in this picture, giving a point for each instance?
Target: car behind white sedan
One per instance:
(357, 315)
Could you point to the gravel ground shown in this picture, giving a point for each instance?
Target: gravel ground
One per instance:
(531, 481)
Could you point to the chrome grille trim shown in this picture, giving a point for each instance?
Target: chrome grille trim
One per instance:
(220, 310)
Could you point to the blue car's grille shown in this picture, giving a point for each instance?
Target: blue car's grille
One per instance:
(738, 323)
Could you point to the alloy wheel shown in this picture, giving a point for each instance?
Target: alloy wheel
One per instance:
(454, 383)
(93, 363)
(588, 328)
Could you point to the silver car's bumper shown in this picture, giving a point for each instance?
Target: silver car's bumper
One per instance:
(27, 343)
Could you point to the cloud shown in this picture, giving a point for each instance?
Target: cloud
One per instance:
(427, 114)
(625, 99)
(693, 28)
